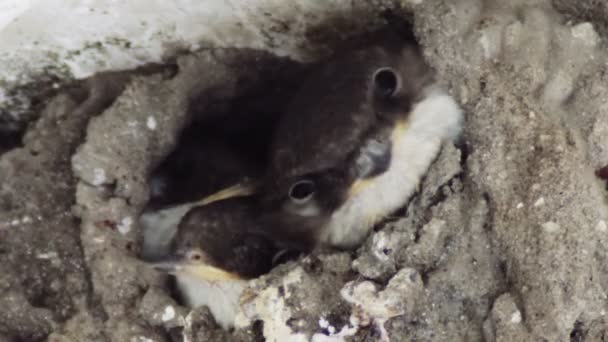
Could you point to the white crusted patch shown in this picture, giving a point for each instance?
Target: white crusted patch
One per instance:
(539, 202)
(99, 176)
(601, 226)
(551, 227)
(125, 224)
(381, 242)
(168, 314)
(151, 123)
(141, 339)
(323, 323)
(334, 336)
(269, 305)
(46, 256)
(432, 121)
(377, 306)
(516, 317)
(586, 33)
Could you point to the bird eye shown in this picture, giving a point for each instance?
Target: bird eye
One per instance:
(386, 81)
(195, 256)
(302, 191)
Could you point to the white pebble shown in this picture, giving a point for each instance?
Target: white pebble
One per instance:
(151, 123)
(539, 202)
(46, 256)
(323, 323)
(516, 317)
(125, 225)
(168, 314)
(520, 205)
(99, 176)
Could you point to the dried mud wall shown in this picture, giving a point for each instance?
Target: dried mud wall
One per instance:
(505, 241)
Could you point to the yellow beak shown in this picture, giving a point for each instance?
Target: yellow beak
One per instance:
(209, 273)
(196, 270)
(237, 190)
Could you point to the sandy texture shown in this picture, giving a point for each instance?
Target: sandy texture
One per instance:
(504, 241)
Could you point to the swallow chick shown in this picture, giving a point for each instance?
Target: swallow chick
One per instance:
(213, 255)
(354, 144)
(161, 225)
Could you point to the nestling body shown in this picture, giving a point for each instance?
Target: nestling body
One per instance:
(213, 255)
(350, 149)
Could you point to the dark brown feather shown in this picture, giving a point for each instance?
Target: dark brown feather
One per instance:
(226, 232)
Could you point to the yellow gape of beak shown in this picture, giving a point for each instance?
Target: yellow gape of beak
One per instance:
(358, 186)
(237, 190)
(362, 183)
(209, 273)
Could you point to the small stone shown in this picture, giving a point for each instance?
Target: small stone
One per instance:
(99, 176)
(124, 226)
(539, 202)
(151, 123)
(168, 314)
(586, 33)
(46, 256)
(516, 317)
(323, 323)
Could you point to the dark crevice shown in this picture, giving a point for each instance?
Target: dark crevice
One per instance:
(226, 141)
(17, 115)
(578, 332)
(10, 137)
(258, 330)
(465, 151)
(441, 195)
(488, 224)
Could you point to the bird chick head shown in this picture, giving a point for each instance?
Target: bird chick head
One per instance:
(352, 146)
(216, 241)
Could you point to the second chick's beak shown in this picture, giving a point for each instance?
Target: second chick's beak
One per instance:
(215, 252)
(353, 146)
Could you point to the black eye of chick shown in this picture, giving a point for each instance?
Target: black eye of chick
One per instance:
(302, 191)
(196, 257)
(386, 82)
